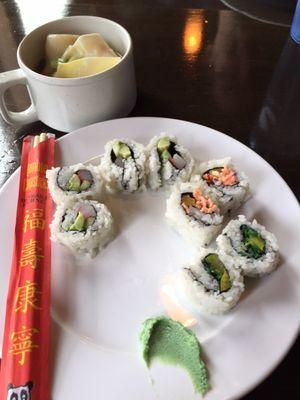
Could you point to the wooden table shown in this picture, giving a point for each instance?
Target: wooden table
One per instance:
(197, 61)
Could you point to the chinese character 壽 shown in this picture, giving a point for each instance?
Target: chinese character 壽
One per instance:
(31, 254)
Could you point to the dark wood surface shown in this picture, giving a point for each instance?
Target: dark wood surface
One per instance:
(238, 75)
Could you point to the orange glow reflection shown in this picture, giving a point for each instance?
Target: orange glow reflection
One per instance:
(193, 33)
(173, 309)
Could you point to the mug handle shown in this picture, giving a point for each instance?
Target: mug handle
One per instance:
(7, 80)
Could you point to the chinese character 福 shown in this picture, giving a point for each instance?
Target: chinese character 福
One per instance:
(34, 219)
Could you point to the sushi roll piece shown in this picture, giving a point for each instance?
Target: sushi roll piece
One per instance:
(85, 227)
(69, 184)
(123, 166)
(168, 162)
(211, 283)
(194, 213)
(252, 248)
(228, 185)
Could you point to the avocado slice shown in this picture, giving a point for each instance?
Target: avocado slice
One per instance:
(85, 185)
(78, 224)
(225, 283)
(121, 149)
(124, 151)
(165, 155)
(214, 266)
(258, 242)
(254, 245)
(116, 147)
(163, 144)
(74, 183)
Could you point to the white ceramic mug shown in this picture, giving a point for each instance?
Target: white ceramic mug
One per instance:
(70, 103)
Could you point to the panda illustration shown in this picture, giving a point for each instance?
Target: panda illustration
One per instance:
(19, 392)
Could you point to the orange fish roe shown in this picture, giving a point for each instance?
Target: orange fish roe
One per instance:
(204, 203)
(228, 176)
(225, 175)
(197, 193)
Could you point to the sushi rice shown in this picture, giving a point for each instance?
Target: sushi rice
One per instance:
(230, 186)
(197, 227)
(64, 188)
(128, 174)
(198, 287)
(232, 246)
(91, 237)
(164, 173)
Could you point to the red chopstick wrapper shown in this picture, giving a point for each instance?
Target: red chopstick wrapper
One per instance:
(25, 354)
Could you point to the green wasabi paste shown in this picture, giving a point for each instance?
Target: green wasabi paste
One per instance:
(170, 342)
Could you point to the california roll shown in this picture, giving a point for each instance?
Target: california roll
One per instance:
(168, 162)
(74, 183)
(85, 227)
(123, 166)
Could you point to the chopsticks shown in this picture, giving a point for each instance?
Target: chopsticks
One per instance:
(25, 353)
(39, 139)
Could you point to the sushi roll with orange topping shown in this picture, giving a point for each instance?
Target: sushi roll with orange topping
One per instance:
(194, 213)
(225, 182)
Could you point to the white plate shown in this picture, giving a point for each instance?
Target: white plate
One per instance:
(98, 306)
